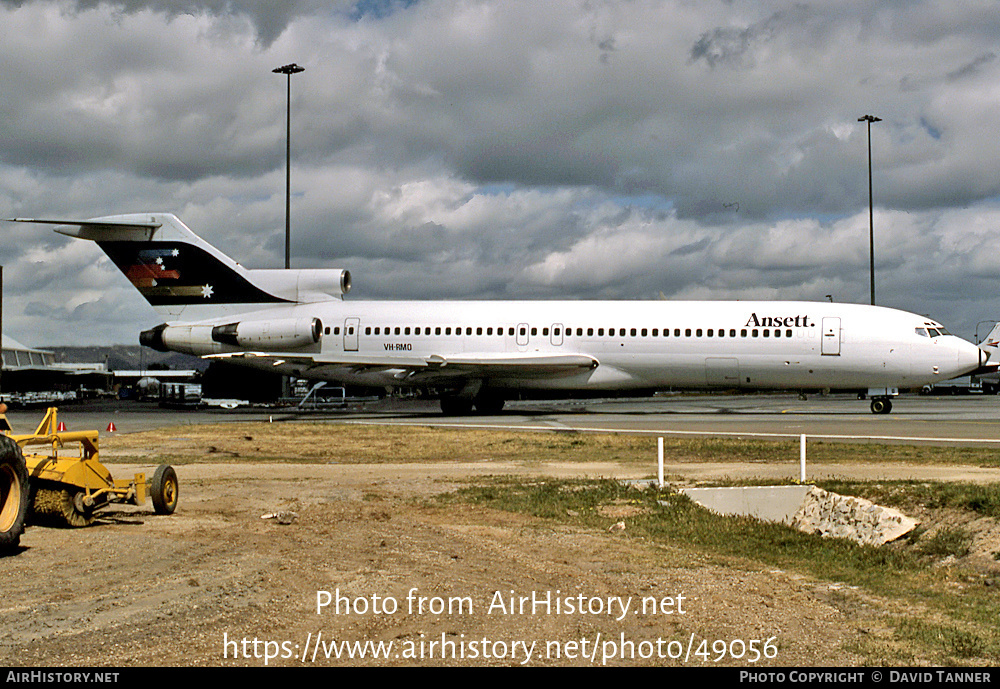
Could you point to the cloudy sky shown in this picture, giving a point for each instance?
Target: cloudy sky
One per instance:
(459, 149)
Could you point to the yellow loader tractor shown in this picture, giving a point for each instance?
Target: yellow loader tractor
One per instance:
(57, 487)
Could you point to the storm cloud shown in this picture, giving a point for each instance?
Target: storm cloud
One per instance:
(471, 149)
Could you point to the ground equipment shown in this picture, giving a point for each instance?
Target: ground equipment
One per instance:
(13, 488)
(67, 489)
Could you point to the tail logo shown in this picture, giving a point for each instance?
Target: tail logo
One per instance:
(168, 273)
(153, 277)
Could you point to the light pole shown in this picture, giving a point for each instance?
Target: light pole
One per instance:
(288, 70)
(871, 208)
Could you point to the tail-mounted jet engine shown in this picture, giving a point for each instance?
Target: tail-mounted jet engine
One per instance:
(280, 334)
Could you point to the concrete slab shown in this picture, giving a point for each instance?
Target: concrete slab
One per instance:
(769, 503)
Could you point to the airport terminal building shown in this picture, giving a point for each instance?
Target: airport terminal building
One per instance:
(27, 369)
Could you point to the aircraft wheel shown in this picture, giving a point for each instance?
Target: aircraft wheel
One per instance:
(164, 490)
(13, 493)
(881, 405)
(456, 406)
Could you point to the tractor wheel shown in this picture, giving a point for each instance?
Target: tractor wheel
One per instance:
(13, 494)
(164, 490)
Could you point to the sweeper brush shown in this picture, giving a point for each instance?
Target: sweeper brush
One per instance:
(68, 488)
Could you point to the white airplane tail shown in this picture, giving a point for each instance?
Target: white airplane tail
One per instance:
(991, 344)
(184, 277)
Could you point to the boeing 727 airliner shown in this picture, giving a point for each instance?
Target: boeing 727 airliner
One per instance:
(480, 353)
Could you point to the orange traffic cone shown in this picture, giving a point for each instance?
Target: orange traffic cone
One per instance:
(61, 427)
(111, 427)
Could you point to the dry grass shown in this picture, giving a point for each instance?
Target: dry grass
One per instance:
(355, 443)
(319, 442)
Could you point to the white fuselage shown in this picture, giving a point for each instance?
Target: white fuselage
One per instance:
(636, 344)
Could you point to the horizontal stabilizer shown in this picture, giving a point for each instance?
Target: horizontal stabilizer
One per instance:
(95, 224)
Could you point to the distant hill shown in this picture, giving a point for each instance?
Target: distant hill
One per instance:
(128, 357)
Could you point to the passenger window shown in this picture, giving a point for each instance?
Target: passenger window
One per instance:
(711, 332)
(621, 332)
(600, 332)
(368, 331)
(632, 332)
(479, 331)
(732, 332)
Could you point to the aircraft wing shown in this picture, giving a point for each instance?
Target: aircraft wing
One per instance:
(467, 365)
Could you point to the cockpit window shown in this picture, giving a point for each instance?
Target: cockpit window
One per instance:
(933, 332)
(943, 331)
(921, 331)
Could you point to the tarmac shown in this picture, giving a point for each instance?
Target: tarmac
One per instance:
(969, 420)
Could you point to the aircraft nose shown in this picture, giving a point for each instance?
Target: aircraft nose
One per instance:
(969, 357)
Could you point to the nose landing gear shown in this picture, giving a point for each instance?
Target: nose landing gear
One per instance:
(882, 399)
(881, 405)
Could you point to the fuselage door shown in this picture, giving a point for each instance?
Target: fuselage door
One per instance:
(351, 328)
(556, 338)
(522, 334)
(831, 336)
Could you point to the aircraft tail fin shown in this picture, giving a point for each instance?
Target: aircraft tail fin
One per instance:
(184, 277)
(991, 344)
